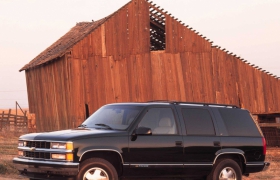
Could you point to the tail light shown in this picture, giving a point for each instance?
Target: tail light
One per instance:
(264, 146)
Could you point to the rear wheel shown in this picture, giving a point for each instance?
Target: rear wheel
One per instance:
(226, 169)
(97, 168)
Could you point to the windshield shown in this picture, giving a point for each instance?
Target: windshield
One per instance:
(112, 117)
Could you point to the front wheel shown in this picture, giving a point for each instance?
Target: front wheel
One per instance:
(97, 168)
(226, 169)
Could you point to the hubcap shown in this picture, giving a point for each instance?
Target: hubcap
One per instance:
(96, 174)
(227, 174)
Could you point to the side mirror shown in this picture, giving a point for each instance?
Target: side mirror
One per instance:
(143, 131)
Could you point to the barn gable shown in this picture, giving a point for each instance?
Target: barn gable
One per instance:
(140, 53)
(140, 25)
(62, 45)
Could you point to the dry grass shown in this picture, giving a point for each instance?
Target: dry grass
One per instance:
(8, 150)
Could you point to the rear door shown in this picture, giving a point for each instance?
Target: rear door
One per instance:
(199, 138)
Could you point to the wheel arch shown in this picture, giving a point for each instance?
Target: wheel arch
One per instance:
(111, 155)
(234, 154)
(101, 150)
(229, 152)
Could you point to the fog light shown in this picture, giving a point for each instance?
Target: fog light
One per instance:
(59, 156)
(20, 153)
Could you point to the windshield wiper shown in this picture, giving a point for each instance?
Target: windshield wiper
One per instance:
(104, 125)
(82, 125)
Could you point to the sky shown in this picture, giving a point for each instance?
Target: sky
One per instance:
(248, 28)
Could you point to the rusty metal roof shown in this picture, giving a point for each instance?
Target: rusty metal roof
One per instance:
(62, 45)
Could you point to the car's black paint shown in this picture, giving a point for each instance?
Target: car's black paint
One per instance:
(140, 153)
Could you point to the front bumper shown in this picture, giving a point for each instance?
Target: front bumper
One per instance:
(45, 169)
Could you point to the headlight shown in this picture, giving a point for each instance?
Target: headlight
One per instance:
(62, 145)
(21, 143)
(58, 145)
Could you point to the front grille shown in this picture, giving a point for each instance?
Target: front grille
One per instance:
(42, 155)
(38, 144)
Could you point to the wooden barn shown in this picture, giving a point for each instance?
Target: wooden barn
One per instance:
(141, 53)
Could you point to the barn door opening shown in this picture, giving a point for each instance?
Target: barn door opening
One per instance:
(86, 111)
(157, 29)
(270, 125)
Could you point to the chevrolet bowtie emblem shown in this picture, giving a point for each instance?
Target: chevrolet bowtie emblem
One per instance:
(32, 149)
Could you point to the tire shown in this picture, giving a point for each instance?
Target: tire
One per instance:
(226, 168)
(97, 168)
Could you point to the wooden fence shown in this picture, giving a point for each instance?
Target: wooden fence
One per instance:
(13, 122)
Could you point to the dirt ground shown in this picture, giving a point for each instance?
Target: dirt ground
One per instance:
(8, 150)
(273, 173)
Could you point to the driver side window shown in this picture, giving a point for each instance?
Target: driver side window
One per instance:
(160, 120)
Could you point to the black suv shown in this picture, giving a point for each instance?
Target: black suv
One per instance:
(154, 139)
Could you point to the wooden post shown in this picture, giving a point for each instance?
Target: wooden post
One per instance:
(1, 121)
(8, 120)
(16, 118)
(15, 122)
(25, 121)
(17, 105)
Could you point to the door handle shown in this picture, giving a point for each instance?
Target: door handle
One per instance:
(217, 143)
(178, 143)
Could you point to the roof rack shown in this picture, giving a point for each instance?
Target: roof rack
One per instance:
(195, 103)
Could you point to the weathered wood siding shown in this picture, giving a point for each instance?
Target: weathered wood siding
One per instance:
(114, 64)
(49, 95)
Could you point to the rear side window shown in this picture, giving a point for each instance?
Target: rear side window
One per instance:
(198, 121)
(239, 122)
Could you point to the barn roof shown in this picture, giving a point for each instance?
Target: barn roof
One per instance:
(61, 46)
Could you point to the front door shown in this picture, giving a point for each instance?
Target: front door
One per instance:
(161, 153)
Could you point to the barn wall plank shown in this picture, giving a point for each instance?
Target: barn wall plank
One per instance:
(169, 46)
(77, 92)
(30, 81)
(144, 27)
(109, 36)
(144, 66)
(172, 86)
(132, 78)
(92, 80)
(258, 87)
(207, 77)
(187, 76)
(158, 76)
(180, 76)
